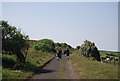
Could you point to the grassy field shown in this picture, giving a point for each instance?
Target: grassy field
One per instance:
(103, 54)
(14, 70)
(109, 52)
(90, 69)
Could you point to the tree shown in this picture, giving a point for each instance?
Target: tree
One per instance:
(45, 45)
(13, 41)
(78, 47)
(89, 49)
(57, 44)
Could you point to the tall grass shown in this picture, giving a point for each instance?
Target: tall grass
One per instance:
(90, 69)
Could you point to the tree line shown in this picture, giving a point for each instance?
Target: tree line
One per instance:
(48, 45)
(14, 42)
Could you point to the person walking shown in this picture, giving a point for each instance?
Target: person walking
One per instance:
(59, 54)
(67, 53)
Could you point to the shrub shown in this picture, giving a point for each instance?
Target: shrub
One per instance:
(89, 49)
(45, 45)
(78, 47)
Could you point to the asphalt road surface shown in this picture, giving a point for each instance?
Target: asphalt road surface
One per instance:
(51, 71)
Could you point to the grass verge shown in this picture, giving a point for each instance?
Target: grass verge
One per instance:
(90, 69)
(14, 70)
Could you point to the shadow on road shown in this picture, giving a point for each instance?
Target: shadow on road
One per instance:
(44, 71)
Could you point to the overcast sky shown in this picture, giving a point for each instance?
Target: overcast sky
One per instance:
(69, 22)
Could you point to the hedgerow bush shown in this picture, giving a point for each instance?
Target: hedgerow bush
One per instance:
(88, 49)
(45, 45)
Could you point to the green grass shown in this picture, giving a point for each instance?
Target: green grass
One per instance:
(102, 53)
(62, 73)
(0, 66)
(90, 69)
(14, 70)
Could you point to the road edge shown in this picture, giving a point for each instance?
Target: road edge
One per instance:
(39, 68)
